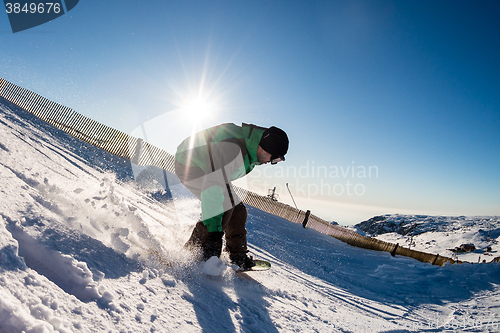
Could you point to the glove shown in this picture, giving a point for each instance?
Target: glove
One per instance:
(213, 246)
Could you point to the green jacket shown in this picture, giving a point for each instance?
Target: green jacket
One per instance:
(224, 153)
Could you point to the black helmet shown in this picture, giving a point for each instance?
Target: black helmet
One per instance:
(275, 142)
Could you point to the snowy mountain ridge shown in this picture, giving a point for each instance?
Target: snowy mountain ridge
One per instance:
(438, 234)
(419, 224)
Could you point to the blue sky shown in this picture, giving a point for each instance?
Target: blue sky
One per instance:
(406, 89)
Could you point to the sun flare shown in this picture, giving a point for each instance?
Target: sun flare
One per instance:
(198, 108)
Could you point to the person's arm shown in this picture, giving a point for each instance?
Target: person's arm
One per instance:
(216, 197)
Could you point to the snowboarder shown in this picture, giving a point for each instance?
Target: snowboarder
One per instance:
(206, 163)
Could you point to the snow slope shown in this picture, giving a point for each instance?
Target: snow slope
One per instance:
(75, 236)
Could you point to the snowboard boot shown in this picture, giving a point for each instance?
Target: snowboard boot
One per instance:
(198, 238)
(213, 246)
(242, 260)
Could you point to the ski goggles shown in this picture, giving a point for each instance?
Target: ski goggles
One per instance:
(276, 159)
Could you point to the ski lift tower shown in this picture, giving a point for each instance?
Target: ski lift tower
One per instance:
(272, 194)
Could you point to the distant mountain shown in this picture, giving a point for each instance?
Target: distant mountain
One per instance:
(419, 224)
(438, 234)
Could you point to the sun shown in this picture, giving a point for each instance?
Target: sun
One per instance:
(199, 112)
(198, 108)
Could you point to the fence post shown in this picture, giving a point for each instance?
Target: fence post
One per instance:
(306, 218)
(393, 253)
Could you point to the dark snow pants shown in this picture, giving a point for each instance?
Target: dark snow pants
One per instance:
(233, 220)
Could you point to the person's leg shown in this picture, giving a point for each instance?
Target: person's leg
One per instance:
(236, 234)
(233, 224)
(198, 237)
(233, 219)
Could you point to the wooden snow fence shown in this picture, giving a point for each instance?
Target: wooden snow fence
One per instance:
(143, 153)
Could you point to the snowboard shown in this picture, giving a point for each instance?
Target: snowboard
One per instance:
(260, 265)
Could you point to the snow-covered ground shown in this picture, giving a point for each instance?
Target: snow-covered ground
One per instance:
(75, 236)
(439, 234)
